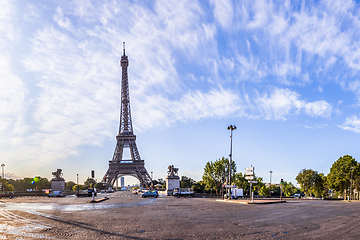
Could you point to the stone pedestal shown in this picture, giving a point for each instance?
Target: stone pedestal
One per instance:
(171, 183)
(58, 185)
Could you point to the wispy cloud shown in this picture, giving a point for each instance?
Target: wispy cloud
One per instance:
(352, 124)
(223, 12)
(12, 99)
(156, 111)
(281, 103)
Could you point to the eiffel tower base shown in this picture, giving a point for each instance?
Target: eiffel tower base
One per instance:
(130, 168)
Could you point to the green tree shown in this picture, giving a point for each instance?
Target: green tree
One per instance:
(257, 186)
(319, 187)
(198, 187)
(240, 181)
(6, 186)
(159, 181)
(288, 189)
(340, 173)
(186, 182)
(89, 183)
(99, 185)
(275, 190)
(263, 191)
(215, 171)
(307, 179)
(325, 186)
(81, 187)
(69, 185)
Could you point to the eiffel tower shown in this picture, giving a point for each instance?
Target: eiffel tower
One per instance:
(118, 166)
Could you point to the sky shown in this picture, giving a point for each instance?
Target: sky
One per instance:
(286, 73)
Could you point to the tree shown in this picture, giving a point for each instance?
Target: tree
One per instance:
(186, 182)
(5, 185)
(81, 187)
(307, 178)
(215, 172)
(35, 183)
(159, 181)
(241, 182)
(340, 173)
(263, 191)
(275, 190)
(89, 183)
(198, 187)
(257, 186)
(288, 189)
(99, 185)
(69, 185)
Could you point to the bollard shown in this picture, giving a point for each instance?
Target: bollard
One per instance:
(93, 195)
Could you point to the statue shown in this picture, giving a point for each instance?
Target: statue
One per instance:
(172, 171)
(58, 174)
(58, 182)
(172, 180)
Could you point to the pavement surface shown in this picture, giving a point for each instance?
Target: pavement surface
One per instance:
(128, 216)
(255, 201)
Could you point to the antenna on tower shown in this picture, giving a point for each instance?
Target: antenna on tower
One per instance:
(124, 47)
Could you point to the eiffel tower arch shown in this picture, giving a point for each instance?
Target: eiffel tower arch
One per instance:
(118, 166)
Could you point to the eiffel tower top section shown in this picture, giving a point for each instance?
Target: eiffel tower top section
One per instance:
(125, 113)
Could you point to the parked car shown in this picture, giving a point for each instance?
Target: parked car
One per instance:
(154, 194)
(56, 194)
(7, 194)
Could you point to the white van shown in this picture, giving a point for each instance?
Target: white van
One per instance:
(56, 194)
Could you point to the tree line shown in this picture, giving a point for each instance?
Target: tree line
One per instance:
(343, 177)
(216, 174)
(39, 184)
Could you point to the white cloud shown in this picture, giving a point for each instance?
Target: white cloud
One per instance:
(318, 108)
(223, 12)
(62, 21)
(8, 31)
(283, 102)
(260, 18)
(76, 86)
(12, 99)
(352, 124)
(156, 111)
(292, 40)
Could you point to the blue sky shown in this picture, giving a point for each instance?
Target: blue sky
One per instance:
(286, 74)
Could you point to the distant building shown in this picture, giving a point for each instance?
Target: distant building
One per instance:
(122, 182)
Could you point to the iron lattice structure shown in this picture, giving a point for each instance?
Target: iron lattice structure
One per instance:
(118, 166)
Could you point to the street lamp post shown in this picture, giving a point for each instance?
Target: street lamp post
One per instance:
(231, 128)
(270, 185)
(77, 180)
(3, 175)
(351, 182)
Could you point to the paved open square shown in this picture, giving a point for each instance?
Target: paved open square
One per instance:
(129, 216)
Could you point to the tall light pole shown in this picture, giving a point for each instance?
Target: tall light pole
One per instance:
(351, 182)
(231, 128)
(3, 175)
(77, 180)
(3, 165)
(270, 185)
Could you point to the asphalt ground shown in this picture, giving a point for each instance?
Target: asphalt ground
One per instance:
(129, 216)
